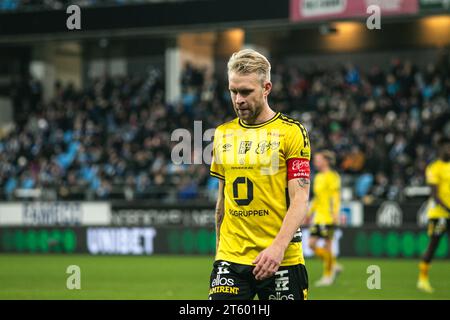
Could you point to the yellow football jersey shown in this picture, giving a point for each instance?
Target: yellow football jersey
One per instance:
(252, 159)
(438, 174)
(326, 190)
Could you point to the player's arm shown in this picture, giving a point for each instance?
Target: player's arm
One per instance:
(432, 177)
(297, 152)
(297, 211)
(220, 210)
(436, 198)
(269, 260)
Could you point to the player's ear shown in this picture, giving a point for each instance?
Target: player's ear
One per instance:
(267, 87)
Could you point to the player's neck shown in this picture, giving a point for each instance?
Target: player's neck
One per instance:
(264, 116)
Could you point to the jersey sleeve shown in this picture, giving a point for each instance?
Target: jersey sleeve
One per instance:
(432, 174)
(297, 145)
(297, 153)
(217, 169)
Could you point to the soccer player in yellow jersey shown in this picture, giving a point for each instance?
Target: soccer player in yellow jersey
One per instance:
(438, 177)
(261, 159)
(325, 206)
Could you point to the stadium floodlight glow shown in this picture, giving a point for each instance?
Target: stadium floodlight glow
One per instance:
(326, 29)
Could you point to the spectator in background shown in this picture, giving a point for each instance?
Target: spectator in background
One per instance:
(353, 161)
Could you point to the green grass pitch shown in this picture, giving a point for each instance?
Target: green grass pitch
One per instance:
(186, 277)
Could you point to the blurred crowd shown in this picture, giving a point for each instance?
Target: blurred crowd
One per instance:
(30, 5)
(113, 139)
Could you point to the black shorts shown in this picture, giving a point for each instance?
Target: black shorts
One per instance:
(232, 281)
(325, 231)
(437, 227)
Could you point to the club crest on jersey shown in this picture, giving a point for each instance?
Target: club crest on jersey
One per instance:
(245, 146)
(226, 147)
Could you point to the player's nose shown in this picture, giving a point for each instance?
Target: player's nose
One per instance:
(239, 99)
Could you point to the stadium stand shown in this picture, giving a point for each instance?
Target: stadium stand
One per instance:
(111, 140)
(31, 5)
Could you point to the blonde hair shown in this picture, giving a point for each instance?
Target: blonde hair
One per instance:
(249, 61)
(330, 156)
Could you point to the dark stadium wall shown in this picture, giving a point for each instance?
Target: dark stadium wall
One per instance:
(154, 17)
(14, 71)
(382, 58)
(135, 55)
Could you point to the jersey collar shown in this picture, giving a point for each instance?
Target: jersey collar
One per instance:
(259, 125)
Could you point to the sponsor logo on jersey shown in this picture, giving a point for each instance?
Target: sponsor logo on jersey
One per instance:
(249, 213)
(299, 165)
(245, 146)
(279, 296)
(224, 289)
(275, 134)
(299, 168)
(222, 281)
(263, 146)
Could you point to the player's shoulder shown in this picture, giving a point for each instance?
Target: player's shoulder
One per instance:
(232, 124)
(290, 122)
(335, 176)
(435, 164)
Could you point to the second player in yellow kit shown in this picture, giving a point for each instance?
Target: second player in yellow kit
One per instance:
(325, 207)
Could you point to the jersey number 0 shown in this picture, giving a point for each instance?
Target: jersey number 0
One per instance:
(249, 183)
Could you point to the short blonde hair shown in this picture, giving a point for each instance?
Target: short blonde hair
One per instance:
(330, 156)
(249, 61)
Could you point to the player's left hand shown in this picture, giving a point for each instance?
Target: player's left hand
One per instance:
(267, 262)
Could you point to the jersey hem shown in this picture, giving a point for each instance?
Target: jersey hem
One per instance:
(249, 262)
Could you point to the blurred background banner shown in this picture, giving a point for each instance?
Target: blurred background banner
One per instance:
(343, 9)
(398, 242)
(55, 213)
